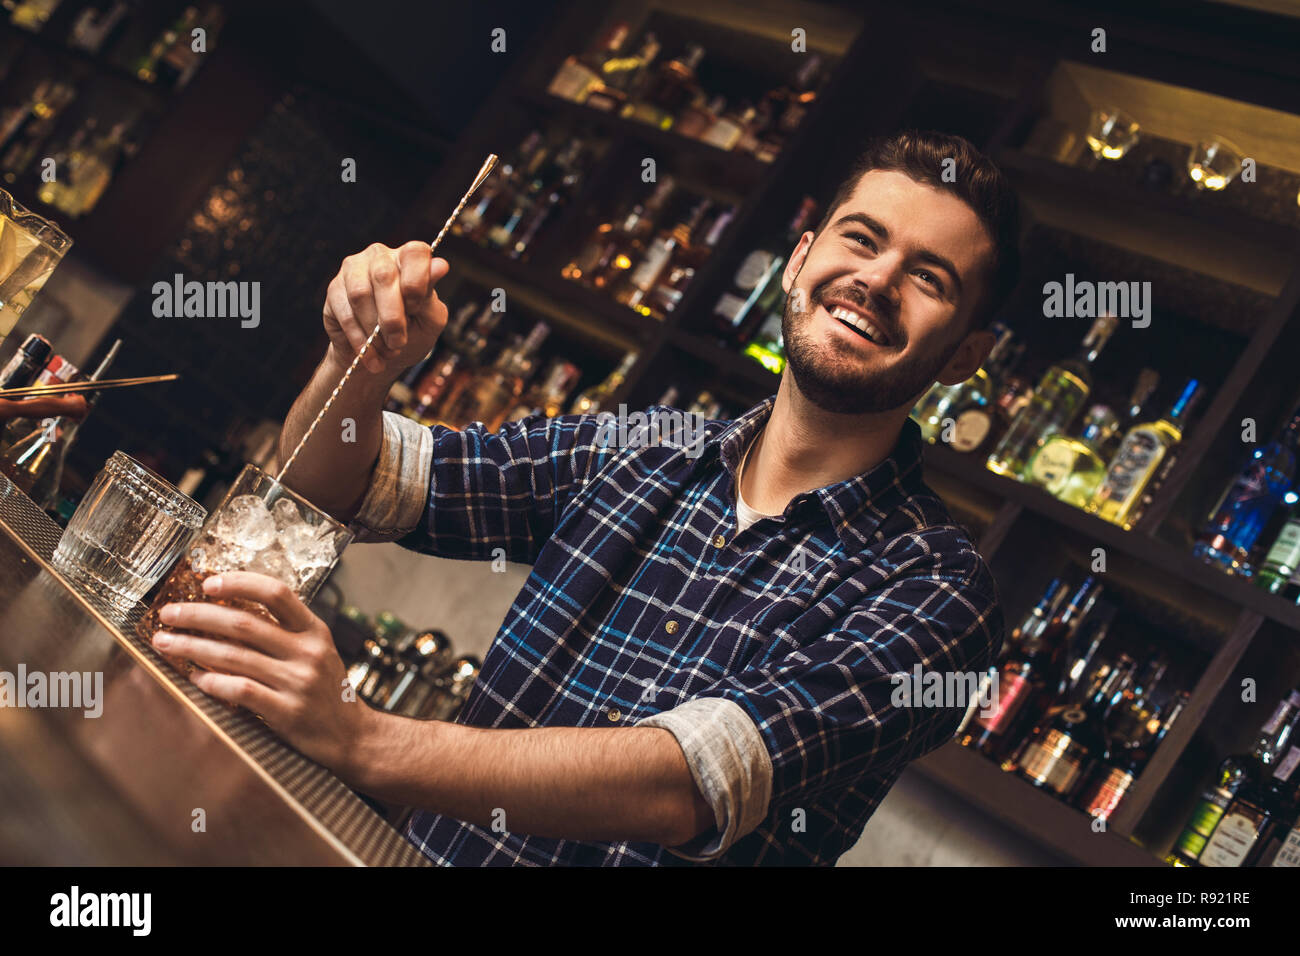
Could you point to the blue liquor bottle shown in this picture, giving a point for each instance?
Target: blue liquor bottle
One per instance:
(1229, 535)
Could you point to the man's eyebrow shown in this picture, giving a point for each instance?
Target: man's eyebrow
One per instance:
(925, 255)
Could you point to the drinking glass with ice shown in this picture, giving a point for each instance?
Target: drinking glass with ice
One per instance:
(260, 526)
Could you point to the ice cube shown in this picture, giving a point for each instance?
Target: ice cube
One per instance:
(274, 563)
(285, 512)
(246, 522)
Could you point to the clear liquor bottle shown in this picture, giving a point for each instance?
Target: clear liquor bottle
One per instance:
(1058, 398)
(1256, 810)
(1140, 460)
(615, 246)
(491, 393)
(941, 402)
(1072, 468)
(600, 397)
(1279, 573)
(579, 75)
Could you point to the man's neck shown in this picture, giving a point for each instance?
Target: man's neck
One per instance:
(803, 447)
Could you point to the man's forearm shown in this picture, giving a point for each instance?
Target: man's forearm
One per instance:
(576, 783)
(333, 470)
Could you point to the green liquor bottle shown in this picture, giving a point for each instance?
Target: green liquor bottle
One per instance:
(1232, 775)
(945, 401)
(1058, 398)
(1119, 497)
(1071, 468)
(1280, 572)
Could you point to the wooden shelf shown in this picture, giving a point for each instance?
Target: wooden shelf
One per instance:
(1130, 198)
(1052, 823)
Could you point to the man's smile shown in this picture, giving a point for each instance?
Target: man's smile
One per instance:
(851, 317)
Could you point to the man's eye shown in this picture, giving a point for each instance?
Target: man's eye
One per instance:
(931, 278)
(861, 238)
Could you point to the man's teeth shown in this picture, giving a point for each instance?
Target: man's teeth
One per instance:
(861, 324)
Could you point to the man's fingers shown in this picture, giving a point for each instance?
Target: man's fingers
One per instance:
(215, 654)
(414, 264)
(49, 406)
(228, 622)
(385, 283)
(277, 597)
(361, 297)
(243, 692)
(336, 299)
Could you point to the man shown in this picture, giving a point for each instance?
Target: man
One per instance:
(689, 674)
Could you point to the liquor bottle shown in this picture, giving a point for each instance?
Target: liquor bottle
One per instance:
(1279, 573)
(756, 287)
(790, 103)
(1140, 460)
(1232, 774)
(565, 181)
(32, 127)
(699, 116)
(1256, 810)
(25, 364)
(1057, 399)
(1248, 503)
(57, 370)
(727, 131)
(402, 392)
(426, 658)
(669, 91)
(694, 247)
(767, 346)
(440, 389)
(532, 198)
(579, 75)
(35, 462)
(941, 402)
(496, 193)
(636, 290)
(181, 61)
(98, 25)
(977, 428)
(388, 641)
(453, 688)
(615, 245)
(622, 76)
(600, 397)
(527, 178)
(547, 396)
(1134, 719)
(68, 158)
(1059, 759)
(705, 406)
(31, 14)
(147, 65)
(1121, 765)
(494, 390)
(1072, 468)
(1030, 666)
(96, 169)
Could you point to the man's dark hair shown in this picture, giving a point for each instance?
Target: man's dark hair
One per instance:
(920, 154)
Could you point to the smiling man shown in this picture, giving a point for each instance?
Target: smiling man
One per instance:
(702, 665)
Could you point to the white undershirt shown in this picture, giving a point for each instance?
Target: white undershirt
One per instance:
(745, 515)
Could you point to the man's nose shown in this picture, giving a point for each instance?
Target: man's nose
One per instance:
(881, 280)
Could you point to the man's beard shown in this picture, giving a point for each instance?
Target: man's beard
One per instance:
(834, 382)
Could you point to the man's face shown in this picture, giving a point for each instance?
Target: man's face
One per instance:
(909, 260)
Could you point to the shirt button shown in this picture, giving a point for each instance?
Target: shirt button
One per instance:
(719, 541)
(671, 627)
(615, 715)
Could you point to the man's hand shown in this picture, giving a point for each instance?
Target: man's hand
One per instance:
(289, 674)
(50, 406)
(393, 288)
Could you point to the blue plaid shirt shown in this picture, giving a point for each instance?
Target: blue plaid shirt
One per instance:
(769, 654)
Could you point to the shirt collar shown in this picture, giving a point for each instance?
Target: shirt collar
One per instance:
(856, 505)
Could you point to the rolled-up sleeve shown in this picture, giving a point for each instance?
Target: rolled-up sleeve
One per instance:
(398, 494)
(729, 763)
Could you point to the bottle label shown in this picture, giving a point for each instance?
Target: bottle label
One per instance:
(1286, 766)
(656, 257)
(1289, 855)
(1134, 464)
(1052, 465)
(753, 269)
(1286, 549)
(1232, 840)
(971, 428)
(1054, 760)
(1108, 793)
(1206, 816)
(1012, 692)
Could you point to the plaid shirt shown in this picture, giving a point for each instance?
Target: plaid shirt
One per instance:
(769, 654)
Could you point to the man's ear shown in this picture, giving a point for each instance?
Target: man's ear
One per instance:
(968, 358)
(795, 262)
